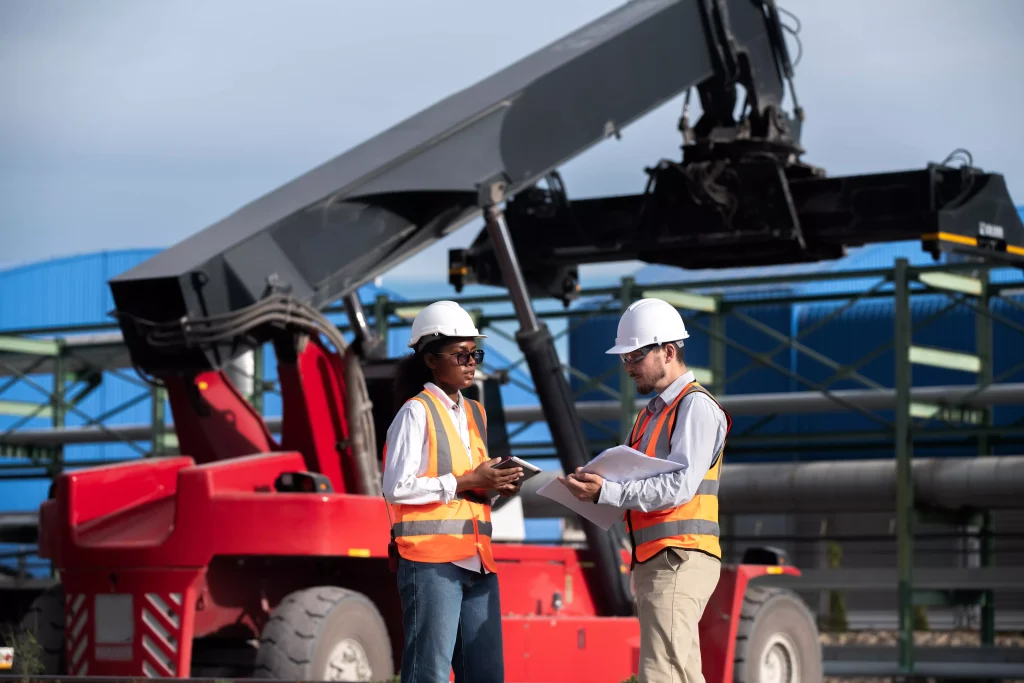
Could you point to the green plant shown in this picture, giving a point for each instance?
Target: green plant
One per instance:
(837, 621)
(632, 679)
(920, 618)
(28, 653)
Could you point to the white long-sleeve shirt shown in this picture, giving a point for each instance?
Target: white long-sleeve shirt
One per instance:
(408, 457)
(698, 436)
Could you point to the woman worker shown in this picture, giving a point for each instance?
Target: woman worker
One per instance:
(439, 482)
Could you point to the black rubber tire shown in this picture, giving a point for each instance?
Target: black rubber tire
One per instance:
(305, 627)
(771, 615)
(45, 621)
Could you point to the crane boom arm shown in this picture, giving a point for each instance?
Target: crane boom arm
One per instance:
(336, 227)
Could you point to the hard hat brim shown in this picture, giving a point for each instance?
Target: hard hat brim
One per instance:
(627, 348)
(624, 348)
(412, 343)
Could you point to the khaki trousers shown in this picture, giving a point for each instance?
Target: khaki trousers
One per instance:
(672, 589)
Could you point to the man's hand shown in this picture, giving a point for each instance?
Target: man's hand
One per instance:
(585, 486)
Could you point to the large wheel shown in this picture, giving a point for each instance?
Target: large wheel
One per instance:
(45, 621)
(325, 634)
(777, 640)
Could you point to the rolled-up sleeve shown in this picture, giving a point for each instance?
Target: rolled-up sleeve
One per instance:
(699, 433)
(407, 462)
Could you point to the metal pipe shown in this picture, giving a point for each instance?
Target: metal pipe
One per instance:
(983, 482)
(362, 436)
(241, 372)
(904, 466)
(737, 404)
(94, 434)
(785, 403)
(368, 343)
(556, 402)
(494, 220)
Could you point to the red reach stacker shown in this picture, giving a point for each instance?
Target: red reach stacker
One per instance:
(260, 554)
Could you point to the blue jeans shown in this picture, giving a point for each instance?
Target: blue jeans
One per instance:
(452, 621)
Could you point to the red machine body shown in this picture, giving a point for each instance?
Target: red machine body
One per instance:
(184, 551)
(155, 555)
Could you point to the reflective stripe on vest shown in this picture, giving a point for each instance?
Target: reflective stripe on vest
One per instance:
(479, 418)
(692, 525)
(441, 526)
(440, 532)
(681, 527)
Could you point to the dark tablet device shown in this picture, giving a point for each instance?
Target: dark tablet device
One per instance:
(529, 470)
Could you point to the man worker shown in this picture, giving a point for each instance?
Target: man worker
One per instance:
(672, 519)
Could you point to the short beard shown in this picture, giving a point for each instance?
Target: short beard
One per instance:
(648, 383)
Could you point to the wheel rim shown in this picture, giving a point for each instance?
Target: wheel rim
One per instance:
(348, 662)
(779, 663)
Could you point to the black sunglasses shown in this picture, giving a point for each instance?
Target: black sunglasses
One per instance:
(462, 357)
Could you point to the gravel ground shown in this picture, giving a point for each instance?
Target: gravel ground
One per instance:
(921, 638)
(832, 679)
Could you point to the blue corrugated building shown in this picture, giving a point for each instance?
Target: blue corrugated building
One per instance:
(65, 292)
(844, 338)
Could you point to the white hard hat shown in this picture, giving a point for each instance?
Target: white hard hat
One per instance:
(648, 321)
(443, 318)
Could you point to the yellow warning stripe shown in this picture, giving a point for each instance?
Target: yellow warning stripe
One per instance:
(969, 241)
(950, 237)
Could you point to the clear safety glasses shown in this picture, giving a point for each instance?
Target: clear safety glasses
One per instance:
(638, 355)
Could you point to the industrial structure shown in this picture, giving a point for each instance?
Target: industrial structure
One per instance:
(810, 472)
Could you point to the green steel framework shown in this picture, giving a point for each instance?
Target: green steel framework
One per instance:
(964, 284)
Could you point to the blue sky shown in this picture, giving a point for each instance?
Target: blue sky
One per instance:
(134, 123)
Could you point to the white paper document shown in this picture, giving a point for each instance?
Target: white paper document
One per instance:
(618, 464)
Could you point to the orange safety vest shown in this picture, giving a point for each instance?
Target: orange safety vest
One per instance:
(692, 525)
(443, 532)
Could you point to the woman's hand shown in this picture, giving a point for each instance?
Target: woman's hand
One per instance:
(509, 490)
(486, 477)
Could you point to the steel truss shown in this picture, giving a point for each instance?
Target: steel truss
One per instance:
(65, 365)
